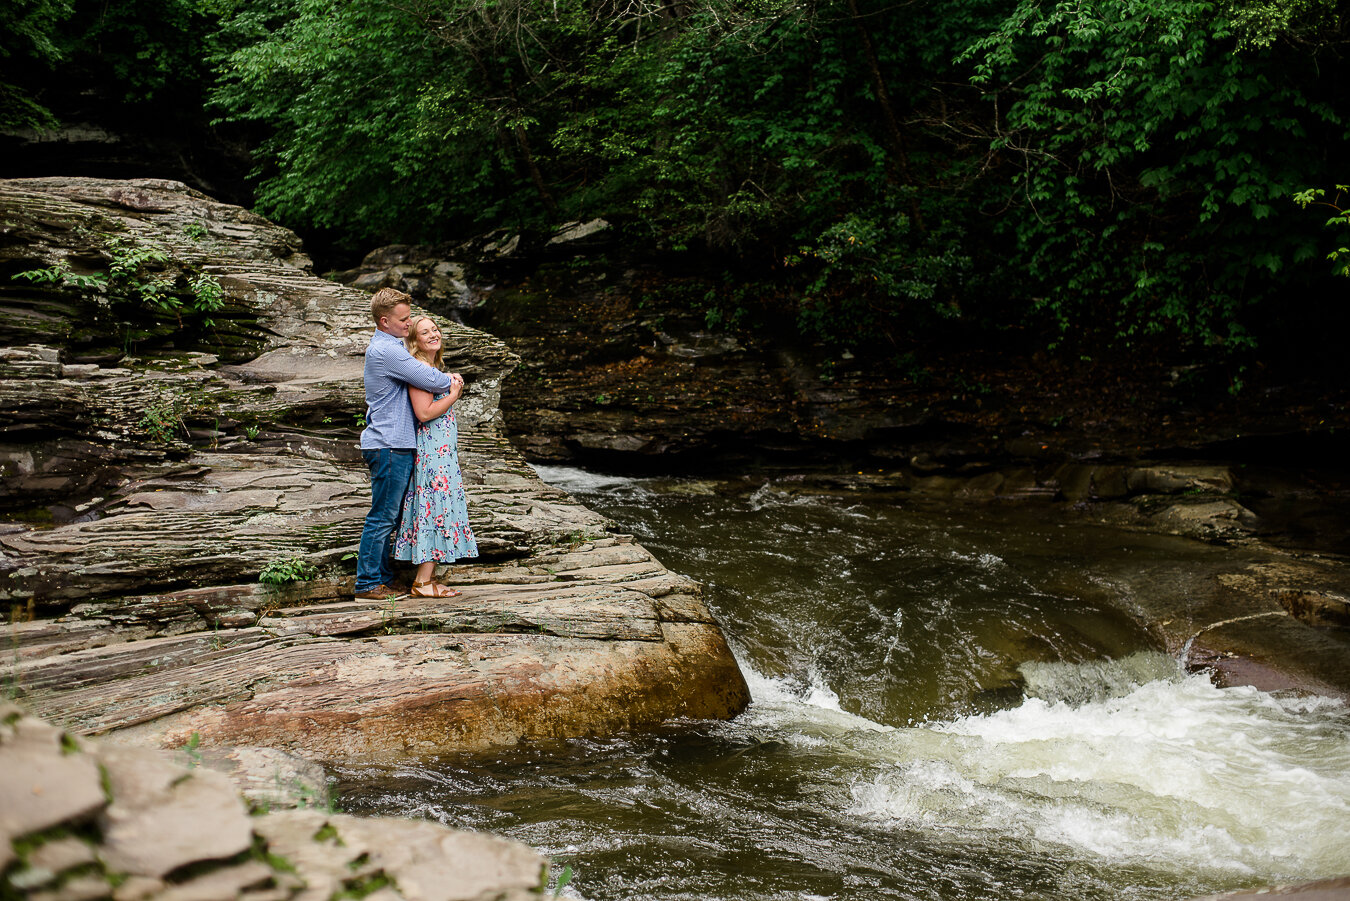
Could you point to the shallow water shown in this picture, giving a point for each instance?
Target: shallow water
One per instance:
(949, 703)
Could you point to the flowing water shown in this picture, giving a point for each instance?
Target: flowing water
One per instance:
(949, 702)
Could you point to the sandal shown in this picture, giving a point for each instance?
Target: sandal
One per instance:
(435, 590)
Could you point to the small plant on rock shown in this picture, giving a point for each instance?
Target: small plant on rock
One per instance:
(159, 421)
(292, 569)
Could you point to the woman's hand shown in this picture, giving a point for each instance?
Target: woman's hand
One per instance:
(426, 409)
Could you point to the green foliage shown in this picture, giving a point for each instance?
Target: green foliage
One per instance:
(121, 53)
(564, 880)
(1340, 221)
(140, 50)
(207, 296)
(1147, 160)
(135, 269)
(530, 112)
(60, 274)
(29, 32)
(291, 569)
(160, 421)
(1258, 24)
(357, 888)
(865, 172)
(136, 274)
(340, 87)
(192, 755)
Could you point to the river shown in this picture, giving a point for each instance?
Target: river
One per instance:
(949, 702)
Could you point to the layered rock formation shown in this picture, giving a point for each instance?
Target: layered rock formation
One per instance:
(153, 469)
(620, 366)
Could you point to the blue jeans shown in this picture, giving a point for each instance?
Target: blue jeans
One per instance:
(390, 471)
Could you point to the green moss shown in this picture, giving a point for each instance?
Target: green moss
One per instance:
(328, 833)
(277, 862)
(363, 886)
(105, 782)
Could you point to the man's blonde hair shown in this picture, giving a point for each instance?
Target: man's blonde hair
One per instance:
(383, 302)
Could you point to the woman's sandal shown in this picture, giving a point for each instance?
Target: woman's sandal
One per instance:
(437, 590)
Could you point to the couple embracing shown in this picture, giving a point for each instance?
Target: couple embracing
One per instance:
(418, 511)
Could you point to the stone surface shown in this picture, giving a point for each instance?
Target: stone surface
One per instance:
(170, 830)
(268, 778)
(425, 862)
(162, 818)
(43, 781)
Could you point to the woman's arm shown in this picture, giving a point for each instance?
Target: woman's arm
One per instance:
(425, 409)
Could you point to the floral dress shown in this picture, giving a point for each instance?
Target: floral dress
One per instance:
(435, 523)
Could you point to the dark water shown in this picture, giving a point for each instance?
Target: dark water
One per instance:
(949, 703)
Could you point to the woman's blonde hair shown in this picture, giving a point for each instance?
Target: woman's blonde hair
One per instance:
(411, 343)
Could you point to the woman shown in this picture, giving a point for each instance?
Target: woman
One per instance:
(435, 524)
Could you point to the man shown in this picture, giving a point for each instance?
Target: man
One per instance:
(390, 438)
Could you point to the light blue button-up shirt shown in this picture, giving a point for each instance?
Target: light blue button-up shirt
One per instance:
(390, 369)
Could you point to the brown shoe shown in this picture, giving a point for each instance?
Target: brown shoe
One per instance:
(380, 593)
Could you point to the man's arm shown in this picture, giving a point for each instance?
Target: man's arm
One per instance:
(416, 373)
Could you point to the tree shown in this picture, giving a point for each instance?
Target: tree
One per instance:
(28, 48)
(1151, 160)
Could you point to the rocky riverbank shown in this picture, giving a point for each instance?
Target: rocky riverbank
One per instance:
(621, 373)
(159, 453)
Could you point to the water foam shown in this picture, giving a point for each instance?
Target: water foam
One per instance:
(1128, 762)
(571, 479)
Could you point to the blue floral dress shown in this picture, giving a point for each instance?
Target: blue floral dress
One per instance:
(435, 523)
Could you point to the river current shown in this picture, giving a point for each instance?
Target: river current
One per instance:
(949, 702)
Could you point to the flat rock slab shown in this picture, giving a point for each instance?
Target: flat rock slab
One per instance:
(502, 662)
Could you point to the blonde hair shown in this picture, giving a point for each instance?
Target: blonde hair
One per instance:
(384, 300)
(411, 343)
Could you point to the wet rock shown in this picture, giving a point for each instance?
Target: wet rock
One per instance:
(1317, 608)
(1084, 482)
(1273, 652)
(270, 779)
(1337, 889)
(1180, 479)
(1241, 630)
(1200, 518)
